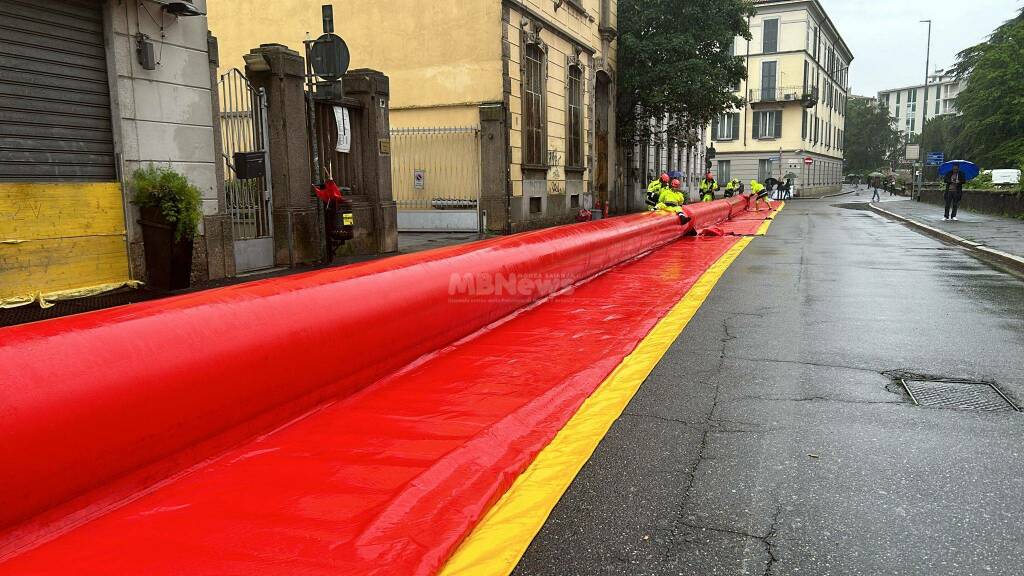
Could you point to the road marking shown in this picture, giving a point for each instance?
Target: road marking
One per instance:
(501, 538)
(771, 218)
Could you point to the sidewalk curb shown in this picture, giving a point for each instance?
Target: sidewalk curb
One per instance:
(1004, 257)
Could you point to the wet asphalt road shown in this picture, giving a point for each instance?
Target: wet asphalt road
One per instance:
(770, 439)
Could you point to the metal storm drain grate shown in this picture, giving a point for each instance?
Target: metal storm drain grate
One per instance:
(958, 395)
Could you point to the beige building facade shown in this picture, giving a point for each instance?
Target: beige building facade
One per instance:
(501, 110)
(796, 92)
(910, 105)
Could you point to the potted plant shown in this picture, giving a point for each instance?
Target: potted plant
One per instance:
(170, 207)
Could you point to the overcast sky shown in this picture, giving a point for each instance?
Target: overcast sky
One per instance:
(888, 42)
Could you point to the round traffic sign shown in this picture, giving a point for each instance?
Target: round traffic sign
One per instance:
(329, 57)
(808, 160)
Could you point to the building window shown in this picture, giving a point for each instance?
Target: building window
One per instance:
(536, 204)
(770, 40)
(574, 126)
(803, 124)
(764, 169)
(724, 171)
(898, 94)
(768, 125)
(726, 127)
(768, 74)
(534, 147)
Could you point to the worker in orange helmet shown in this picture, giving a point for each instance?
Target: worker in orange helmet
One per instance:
(654, 190)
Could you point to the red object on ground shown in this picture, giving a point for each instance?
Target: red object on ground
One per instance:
(384, 479)
(584, 215)
(745, 222)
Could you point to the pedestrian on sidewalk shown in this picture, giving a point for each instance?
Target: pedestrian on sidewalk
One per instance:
(954, 191)
(874, 195)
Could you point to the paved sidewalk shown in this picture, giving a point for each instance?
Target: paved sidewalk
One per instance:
(974, 230)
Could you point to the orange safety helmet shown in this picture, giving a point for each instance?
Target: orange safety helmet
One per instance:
(665, 178)
(676, 184)
(709, 176)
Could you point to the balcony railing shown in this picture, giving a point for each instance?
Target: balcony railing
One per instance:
(795, 94)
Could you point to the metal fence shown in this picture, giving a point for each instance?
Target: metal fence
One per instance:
(436, 168)
(243, 120)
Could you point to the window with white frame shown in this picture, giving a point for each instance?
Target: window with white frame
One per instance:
(767, 125)
(726, 127)
(724, 171)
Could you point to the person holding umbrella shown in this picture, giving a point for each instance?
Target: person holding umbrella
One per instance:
(955, 174)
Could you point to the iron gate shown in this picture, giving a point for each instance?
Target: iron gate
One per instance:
(243, 123)
(435, 174)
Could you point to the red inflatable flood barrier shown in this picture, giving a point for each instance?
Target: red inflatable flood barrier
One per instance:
(139, 392)
(95, 407)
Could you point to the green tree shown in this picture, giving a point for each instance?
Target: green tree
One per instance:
(675, 61)
(992, 102)
(872, 140)
(942, 134)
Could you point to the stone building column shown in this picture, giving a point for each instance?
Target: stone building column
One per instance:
(296, 222)
(372, 89)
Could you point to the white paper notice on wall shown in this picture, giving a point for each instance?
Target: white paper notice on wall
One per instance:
(344, 129)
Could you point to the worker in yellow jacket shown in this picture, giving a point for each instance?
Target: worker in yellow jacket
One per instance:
(654, 190)
(758, 193)
(708, 186)
(672, 200)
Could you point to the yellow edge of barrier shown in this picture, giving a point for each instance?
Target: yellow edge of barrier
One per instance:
(767, 223)
(500, 539)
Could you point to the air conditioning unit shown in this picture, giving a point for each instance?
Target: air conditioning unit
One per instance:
(790, 97)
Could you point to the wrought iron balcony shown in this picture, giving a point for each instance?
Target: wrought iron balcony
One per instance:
(774, 95)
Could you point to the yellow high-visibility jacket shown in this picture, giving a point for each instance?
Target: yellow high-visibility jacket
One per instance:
(756, 187)
(671, 200)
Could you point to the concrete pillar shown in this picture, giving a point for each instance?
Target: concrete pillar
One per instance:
(494, 168)
(371, 88)
(296, 222)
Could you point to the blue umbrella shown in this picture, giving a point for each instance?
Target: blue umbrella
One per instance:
(676, 174)
(970, 170)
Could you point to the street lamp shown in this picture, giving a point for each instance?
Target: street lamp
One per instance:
(919, 178)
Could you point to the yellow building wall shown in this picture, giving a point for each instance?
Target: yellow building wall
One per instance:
(558, 48)
(57, 237)
(437, 54)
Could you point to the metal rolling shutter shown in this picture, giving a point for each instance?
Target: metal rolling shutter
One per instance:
(55, 120)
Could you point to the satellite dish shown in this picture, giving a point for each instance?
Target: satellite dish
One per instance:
(329, 57)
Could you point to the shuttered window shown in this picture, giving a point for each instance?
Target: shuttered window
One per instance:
(770, 44)
(55, 119)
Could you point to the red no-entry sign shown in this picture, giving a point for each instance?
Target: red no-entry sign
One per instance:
(808, 160)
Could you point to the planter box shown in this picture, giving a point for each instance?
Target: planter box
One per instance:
(168, 263)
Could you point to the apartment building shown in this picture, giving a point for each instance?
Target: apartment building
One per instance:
(912, 104)
(796, 91)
